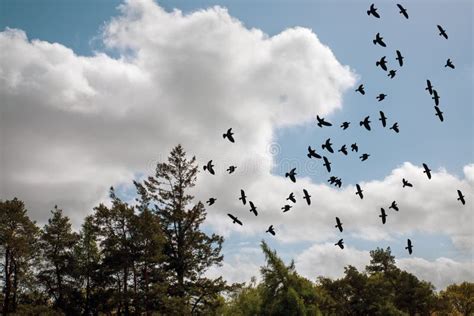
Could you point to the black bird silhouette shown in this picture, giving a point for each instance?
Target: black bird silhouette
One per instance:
(439, 113)
(253, 209)
(338, 224)
(291, 174)
(461, 197)
(403, 11)
(211, 201)
(406, 183)
(322, 122)
(436, 97)
(235, 219)
(332, 180)
(359, 191)
(394, 206)
(449, 64)
(442, 32)
(373, 11)
(243, 197)
(399, 58)
(229, 135)
(209, 167)
(327, 145)
(383, 119)
(338, 182)
(429, 87)
(291, 197)
(382, 63)
(379, 40)
(382, 215)
(409, 246)
(307, 197)
(231, 169)
(345, 125)
(327, 164)
(365, 123)
(395, 127)
(391, 73)
(364, 157)
(361, 89)
(340, 243)
(343, 150)
(312, 153)
(286, 208)
(270, 230)
(381, 96)
(427, 170)
(354, 147)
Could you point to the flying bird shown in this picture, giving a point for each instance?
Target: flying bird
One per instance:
(399, 58)
(409, 246)
(343, 150)
(340, 243)
(403, 11)
(427, 170)
(235, 219)
(338, 182)
(461, 197)
(345, 125)
(406, 183)
(327, 164)
(231, 169)
(383, 119)
(312, 153)
(442, 32)
(338, 224)
(291, 174)
(286, 208)
(307, 197)
(394, 206)
(381, 96)
(361, 89)
(242, 197)
(209, 167)
(253, 209)
(270, 230)
(382, 215)
(395, 127)
(322, 122)
(449, 64)
(211, 201)
(379, 40)
(391, 74)
(439, 113)
(359, 191)
(327, 145)
(429, 87)
(373, 11)
(364, 157)
(332, 179)
(354, 147)
(382, 63)
(291, 197)
(365, 123)
(229, 135)
(436, 97)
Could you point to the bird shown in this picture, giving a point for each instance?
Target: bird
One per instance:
(427, 170)
(382, 63)
(361, 89)
(354, 147)
(327, 145)
(461, 197)
(439, 113)
(399, 58)
(343, 150)
(338, 182)
(382, 215)
(403, 11)
(365, 123)
(394, 206)
(307, 197)
(291, 174)
(436, 97)
(312, 153)
(340, 243)
(338, 224)
(409, 246)
(364, 157)
(429, 87)
(391, 73)
(327, 164)
(322, 122)
(381, 96)
(345, 125)
(383, 119)
(235, 219)
(395, 127)
(442, 32)
(379, 40)
(291, 197)
(449, 64)
(229, 135)
(270, 230)
(242, 197)
(231, 169)
(286, 208)
(211, 201)
(359, 191)
(209, 167)
(406, 183)
(253, 208)
(373, 11)
(332, 180)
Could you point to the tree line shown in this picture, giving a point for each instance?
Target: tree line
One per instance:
(151, 258)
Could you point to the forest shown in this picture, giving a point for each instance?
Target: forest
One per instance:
(151, 258)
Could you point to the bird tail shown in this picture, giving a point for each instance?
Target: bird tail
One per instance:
(204, 167)
(224, 135)
(286, 175)
(377, 63)
(309, 155)
(368, 12)
(360, 123)
(375, 42)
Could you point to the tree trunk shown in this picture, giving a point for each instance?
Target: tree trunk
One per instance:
(7, 286)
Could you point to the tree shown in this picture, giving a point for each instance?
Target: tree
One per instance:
(460, 297)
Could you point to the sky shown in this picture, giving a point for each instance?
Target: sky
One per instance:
(94, 93)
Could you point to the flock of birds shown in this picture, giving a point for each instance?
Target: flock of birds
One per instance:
(327, 145)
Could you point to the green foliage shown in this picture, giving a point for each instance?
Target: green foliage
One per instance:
(459, 298)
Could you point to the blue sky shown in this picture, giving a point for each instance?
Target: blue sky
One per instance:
(348, 31)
